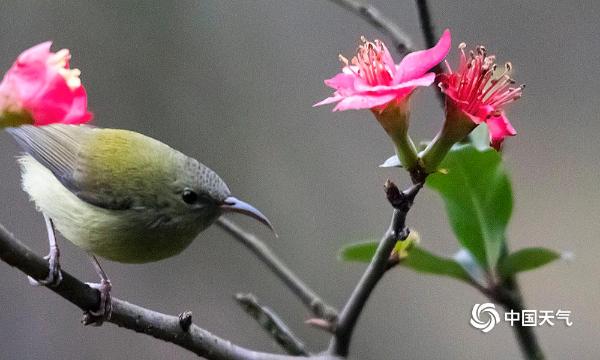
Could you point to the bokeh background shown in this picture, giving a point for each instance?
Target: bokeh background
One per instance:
(232, 83)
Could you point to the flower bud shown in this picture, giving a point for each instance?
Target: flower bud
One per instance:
(40, 89)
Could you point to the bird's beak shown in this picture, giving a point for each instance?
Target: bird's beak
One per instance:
(232, 204)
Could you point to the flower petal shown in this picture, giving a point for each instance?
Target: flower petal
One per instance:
(340, 80)
(424, 80)
(499, 128)
(329, 100)
(417, 63)
(38, 53)
(78, 114)
(41, 84)
(357, 102)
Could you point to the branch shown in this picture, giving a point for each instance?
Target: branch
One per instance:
(130, 316)
(308, 297)
(509, 296)
(429, 33)
(401, 201)
(370, 14)
(272, 324)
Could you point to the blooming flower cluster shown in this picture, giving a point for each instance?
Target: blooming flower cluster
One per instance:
(479, 93)
(475, 93)
(40, 88)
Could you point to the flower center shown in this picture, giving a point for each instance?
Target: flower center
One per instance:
(59, 61)
(477, 83)
(369, 63)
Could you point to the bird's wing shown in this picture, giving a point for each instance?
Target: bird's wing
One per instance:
(55, 147)
(83, 162)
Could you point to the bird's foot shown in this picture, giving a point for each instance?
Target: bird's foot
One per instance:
(54, 273)
(104, 311)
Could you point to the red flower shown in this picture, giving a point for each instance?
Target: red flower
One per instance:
(40, 88)
(477, 91)
(372, 79)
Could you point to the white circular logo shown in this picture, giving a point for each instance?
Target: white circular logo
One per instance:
(489, 314)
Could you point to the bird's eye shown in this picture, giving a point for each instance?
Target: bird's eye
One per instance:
(189, 197)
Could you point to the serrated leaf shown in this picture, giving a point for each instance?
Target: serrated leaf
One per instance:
(424, 261)
(478, 198)
(392, 161)
(526, 259)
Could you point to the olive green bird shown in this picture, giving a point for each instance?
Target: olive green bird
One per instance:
(119, 194)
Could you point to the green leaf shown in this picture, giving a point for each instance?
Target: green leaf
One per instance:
(417, 259)
(478, 198)
(526, 259)
(423, 261)
(364, 251)
(359, 252)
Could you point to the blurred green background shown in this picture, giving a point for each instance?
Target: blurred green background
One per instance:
(232, 83)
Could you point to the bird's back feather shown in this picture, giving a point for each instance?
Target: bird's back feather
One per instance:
(104, 167)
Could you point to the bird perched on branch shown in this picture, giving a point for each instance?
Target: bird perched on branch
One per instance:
(114, 193)
(119, 194)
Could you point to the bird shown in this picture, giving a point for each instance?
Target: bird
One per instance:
(118, 195)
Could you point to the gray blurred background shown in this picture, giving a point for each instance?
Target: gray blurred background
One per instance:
(232, 83)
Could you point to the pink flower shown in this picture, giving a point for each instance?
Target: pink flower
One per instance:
(40, 88)
(478, 93)
(372, 79)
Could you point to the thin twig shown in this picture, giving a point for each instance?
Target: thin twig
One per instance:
(272, 324)
(401, 201)
(130, 316)
(429, 33)
(308, 297)
(369, 13)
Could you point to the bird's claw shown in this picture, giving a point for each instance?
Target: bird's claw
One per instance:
(104, 311)
(54, 277)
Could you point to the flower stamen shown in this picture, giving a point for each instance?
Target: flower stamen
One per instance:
(481, 89)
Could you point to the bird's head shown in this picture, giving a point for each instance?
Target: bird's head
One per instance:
(201, 193)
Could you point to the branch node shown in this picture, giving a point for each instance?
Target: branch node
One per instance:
(321, 324)
(401, 200)
(185, 320)
(323, 311)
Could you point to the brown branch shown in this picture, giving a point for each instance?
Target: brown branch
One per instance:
(370, 14)
(272, 324)
(508, 295)
(430, 39)
(348, 318)
(133, 317)
(308, 297)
